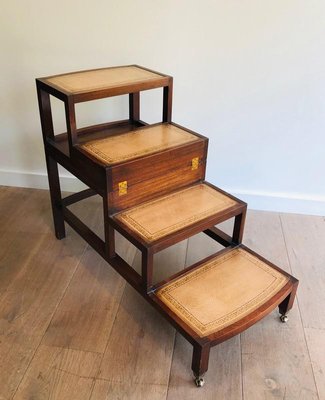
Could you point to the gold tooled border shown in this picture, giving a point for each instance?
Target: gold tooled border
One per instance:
(129, 221)
(68, 87)
(91, 147)
(165, 294)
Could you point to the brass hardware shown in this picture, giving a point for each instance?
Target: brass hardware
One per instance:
(122, 188)
(195, 163)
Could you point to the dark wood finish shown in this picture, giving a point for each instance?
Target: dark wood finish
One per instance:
(85, 232)
(134, 106)
(148, 177)
(287, 303)
(52, 167)
(71, 123)
(156, 174)
(200, 360)
(167, 102)
(58, 92)
(239, 225)
(56, 200)
(109, 232)
(219, 236)
(175, 237)
(147, 268)
(74, 198)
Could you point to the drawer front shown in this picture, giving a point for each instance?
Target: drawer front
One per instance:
(140, 180)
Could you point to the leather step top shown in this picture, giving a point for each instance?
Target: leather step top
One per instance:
(138, 143)
(105, 78)
(222, 291)
(170, 213)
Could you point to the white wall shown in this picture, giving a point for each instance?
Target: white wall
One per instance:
(249, 74)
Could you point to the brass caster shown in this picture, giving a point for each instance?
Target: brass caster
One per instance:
(199, 381)
(283, 318)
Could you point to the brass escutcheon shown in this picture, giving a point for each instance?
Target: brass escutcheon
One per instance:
(195, 163)
(122, 188)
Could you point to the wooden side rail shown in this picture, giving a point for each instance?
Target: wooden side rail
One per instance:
(219, 236)
(74, 198)
(87, 234)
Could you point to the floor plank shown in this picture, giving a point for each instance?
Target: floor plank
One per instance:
(316, 344)
(35, 270)
(305, 238)
(223, 379)
(29, 302)
(40, 278)
(16, 249)
(26, 210)
(275, 358)
(139, 350)
(85, 316)
(108, 390)
(59, 374)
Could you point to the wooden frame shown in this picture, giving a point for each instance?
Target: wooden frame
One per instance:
(65, 149)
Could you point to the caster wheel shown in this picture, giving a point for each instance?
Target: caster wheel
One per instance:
(199, 382)
(283, 318)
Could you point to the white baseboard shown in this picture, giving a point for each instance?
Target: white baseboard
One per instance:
(282, 202)
(38, 180)
(279, 202)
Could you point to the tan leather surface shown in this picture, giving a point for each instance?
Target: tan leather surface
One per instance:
(167, 214)
(102, 79)
(222, 291)
(128, 146)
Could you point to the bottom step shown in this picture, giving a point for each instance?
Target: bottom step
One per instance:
(225, 290)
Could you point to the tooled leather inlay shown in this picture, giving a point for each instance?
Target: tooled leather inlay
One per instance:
(128, 146)
(222, 291)
(167, 214)
(105, 78)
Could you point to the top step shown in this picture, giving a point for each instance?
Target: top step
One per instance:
(105, 82)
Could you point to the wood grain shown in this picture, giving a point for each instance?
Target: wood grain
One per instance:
(86, 313)
(25, 210)
(59, 374)
(275, 359)
(138, 143)
(316, 345)
(35, 270)
(305, 238)
(143, 357)
(107, 390)
(84, 317)
(29, 301)
(223, 379)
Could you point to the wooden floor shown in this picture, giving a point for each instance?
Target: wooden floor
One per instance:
(71, 328)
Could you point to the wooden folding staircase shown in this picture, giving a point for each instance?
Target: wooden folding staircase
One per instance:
(152, 182)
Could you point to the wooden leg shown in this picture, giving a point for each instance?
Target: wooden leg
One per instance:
(134, 106)
(167, 102)
(56, 199)
(239, 225)
(109, 232)
(147, 269)
(200, 362)
(287, 303)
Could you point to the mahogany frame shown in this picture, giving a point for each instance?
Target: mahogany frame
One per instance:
(90, 171)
